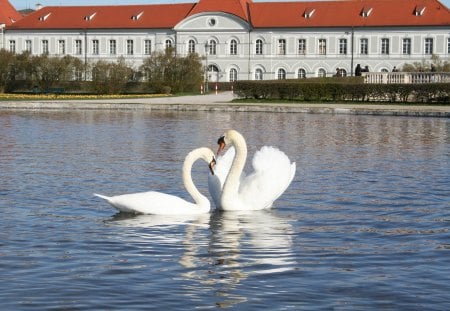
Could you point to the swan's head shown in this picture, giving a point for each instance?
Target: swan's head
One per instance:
(227, 139)
(221, 143)
(212, 164)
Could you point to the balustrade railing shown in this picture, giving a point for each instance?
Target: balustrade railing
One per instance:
(406, 77)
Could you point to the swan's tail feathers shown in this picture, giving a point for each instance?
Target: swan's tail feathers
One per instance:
(104, 197)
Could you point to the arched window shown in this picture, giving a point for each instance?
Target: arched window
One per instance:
(233, 47)
(281, 74)
(168, 44)
(259, 47)
(191, 46)
(301, 74)
(322, 73)
(258, 74)
(233, 75)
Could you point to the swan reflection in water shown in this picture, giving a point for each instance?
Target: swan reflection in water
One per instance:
(222, 249)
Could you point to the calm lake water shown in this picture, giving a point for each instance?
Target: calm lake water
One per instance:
(364, 225)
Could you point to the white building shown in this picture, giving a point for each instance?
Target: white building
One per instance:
(242, 39)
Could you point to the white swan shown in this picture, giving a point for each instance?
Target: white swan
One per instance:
(273, 173)
(159, 203)
(216, 178)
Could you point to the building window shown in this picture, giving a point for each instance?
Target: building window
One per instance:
(385, 46)
(233, 47)
(212, 47)
(322, 46)
(281, 74)
(342, 46)
(233, 75)
(406, 46)
(259, 47)
(61, 47)
(130, 47)
(78, 47)
(282, 47)
(28, 46)
(95, 47)
(258, 74)
(191, 46)
(301, 74)
(302, 46)
(147, 47)
(112, 47)
(364, 46)
(44, 46)
(12, 46)
(428, 46)
(322, 73)
(78, 74)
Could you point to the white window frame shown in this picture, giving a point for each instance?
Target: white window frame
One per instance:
(301, 46)
(322, 46)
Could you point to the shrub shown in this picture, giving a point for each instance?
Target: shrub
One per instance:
(342, 89)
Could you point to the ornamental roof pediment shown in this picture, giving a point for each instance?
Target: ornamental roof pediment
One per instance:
(212, 22)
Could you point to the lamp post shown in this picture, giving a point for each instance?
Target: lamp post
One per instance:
(352, 37)
(206, 67)
(85, 54)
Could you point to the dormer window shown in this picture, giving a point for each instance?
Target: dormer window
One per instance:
(44, 17)
(308, 13)
(419, 10)
(137, 16)
(90, 17)
(366, 11)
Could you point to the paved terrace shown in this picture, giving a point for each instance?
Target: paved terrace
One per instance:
(223, 102)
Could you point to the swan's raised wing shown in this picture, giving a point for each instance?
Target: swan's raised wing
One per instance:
(273, 173)
(221, 169)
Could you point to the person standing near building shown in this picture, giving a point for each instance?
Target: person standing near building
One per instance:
(358, 70)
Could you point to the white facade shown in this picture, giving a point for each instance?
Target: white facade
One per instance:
(232, 50)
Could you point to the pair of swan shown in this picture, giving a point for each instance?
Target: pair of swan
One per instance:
(229, 188)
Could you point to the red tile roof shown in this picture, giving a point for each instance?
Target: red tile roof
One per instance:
(8, 13)
(348, 13)
(358, 13)
(105, 17)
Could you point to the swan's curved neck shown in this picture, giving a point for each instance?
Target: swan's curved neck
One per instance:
(231, 185)
(193, 156)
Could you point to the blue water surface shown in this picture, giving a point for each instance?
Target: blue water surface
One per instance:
(363, 226)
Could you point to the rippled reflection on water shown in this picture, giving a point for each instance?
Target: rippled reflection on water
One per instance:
(364, 225)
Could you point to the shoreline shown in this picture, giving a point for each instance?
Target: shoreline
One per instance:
(223, 102)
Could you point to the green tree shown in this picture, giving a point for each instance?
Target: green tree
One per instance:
(23, 67)
(47, 71)
(6, 65)
(165, 70)
(110, 78)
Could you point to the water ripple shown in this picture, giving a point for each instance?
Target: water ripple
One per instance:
(363, 226)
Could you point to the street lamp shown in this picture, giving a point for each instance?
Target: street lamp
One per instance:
(352, 33)
(206, 67)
